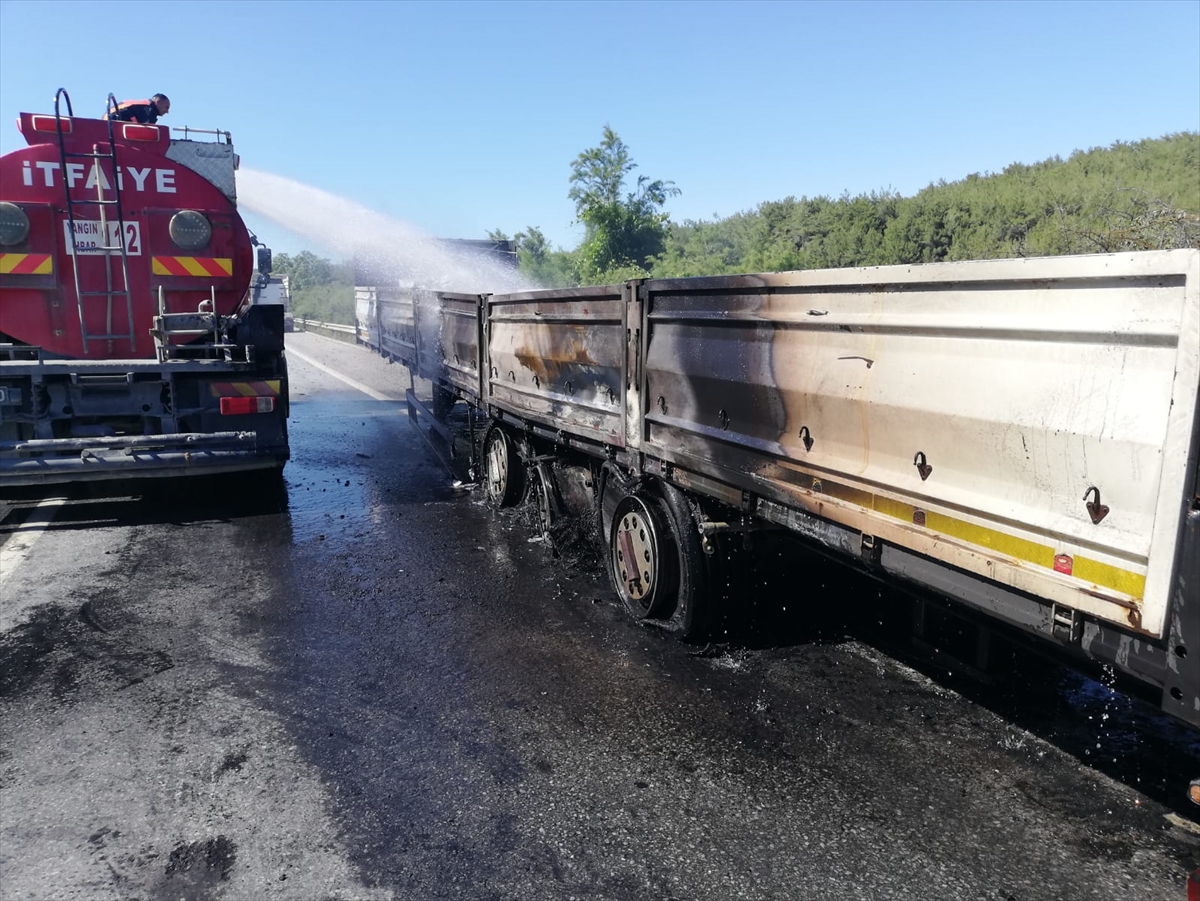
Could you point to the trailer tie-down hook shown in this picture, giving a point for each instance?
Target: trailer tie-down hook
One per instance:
(923, 467)
(1096, 510)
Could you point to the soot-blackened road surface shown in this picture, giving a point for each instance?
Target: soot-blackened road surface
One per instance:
(375, 687)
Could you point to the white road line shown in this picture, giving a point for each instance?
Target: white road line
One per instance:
(25, 536)
(370, 392)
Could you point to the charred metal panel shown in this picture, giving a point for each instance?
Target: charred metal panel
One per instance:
(985, 414)
(634, 378)
(460, 342)
(386, 320)
(559, 357)
(427, 314)
(366, 314)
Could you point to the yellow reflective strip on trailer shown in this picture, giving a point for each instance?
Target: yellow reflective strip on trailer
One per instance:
(1009, 545)
(894, 509)
(1084, 569)
(1122, 580)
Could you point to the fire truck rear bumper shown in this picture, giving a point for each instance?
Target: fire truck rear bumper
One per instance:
(152, 456)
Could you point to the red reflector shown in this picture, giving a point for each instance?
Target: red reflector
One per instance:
(46, 123)
(1063, 563)
(233, 406)
(140, 132)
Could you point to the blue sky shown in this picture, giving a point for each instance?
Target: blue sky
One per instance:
(462, 117)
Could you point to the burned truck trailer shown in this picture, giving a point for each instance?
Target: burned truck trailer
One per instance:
(128, 344)
(1017, 436)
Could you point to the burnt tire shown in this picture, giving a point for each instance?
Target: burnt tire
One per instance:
(695, 614)
(504, 475)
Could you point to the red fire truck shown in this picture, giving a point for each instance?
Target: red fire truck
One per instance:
(128, 342)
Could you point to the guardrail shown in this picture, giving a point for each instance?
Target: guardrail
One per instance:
(332, 329)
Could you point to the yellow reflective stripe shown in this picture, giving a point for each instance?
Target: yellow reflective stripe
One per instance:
(894, 509)
(1110, 576)
(1009, 545)
(245, 389)
(1084, 569)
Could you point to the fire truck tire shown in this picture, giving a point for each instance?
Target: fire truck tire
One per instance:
(503, 470)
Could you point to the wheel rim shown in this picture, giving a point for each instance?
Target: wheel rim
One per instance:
(635, 554)
(497, 472)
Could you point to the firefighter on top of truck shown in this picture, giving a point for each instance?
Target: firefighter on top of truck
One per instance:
(144, 111)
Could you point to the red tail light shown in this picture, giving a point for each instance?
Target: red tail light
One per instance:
(234, 406)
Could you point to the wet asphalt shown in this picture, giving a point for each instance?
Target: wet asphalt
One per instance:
(366, 684)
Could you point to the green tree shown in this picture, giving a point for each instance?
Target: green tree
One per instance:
(1128, 196)
(623, 231)
(320, 288)
(305, 269)
(549, 267)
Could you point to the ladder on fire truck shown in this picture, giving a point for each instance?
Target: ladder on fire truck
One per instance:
(103, 203)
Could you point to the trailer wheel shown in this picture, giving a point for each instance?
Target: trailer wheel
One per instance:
(687, 600)
(642, 555)
(504, 475)
(696, 612)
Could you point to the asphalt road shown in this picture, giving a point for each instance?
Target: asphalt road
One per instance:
(369, 685)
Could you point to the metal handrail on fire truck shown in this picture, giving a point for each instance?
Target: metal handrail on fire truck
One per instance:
(188, 130)
(105, 249)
